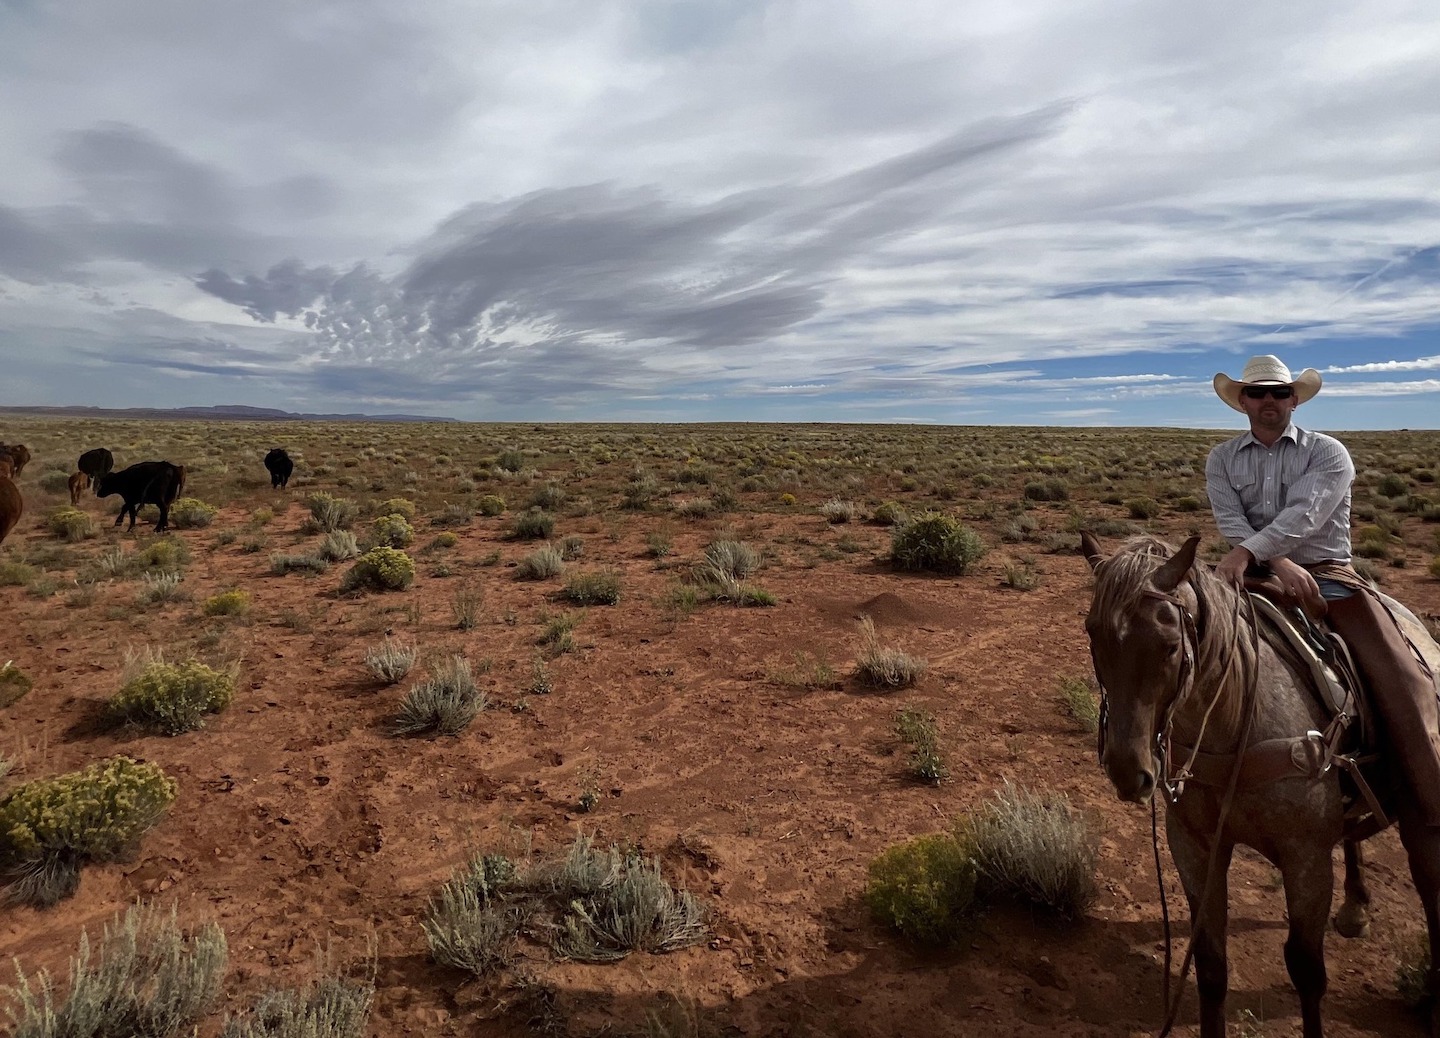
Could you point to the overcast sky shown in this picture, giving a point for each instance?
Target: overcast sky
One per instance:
(1035, 212)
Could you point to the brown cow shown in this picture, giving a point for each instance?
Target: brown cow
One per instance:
(11, 504)
(19, 455)
(78, 482)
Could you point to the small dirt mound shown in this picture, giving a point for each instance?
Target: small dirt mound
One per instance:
(888, 608)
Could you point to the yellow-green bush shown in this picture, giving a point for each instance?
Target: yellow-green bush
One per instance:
(394, 531)
(168, 554)
(924, 888)
(380, 569)
(491, 504)
(70, 524)
(446, 540)
(173, 697)
(94, 813)
(228, 603)
(191, 513)
(936, 542)
(397, 506)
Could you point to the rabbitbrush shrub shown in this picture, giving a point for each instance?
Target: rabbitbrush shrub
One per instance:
(235, 602)
(70, 524)
(50, 827)
(191, 513)
(172, 697)
(394, 531)
(924, 888)
(147, 978)
(491, 505)
(380, 569)
(937, 543)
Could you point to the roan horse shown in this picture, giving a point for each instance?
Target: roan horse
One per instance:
(1182, 668)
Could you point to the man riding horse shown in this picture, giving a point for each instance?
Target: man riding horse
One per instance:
(1281, 497)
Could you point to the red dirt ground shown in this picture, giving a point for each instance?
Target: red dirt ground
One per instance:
(300, 819)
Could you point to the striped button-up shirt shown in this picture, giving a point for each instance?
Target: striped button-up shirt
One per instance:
(1290, 501)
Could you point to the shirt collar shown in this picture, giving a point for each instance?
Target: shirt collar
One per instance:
(1292, 432)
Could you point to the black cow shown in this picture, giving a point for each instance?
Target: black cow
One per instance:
(148, 483)
(95, 464)
(280, 466)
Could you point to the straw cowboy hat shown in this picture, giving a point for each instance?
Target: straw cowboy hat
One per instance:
(1266, 370)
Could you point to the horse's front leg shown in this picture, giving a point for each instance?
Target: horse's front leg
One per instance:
(1208, 921)
(1309, 890)
(1353, 919)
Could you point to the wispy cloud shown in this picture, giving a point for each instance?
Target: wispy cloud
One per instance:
(1381, 366)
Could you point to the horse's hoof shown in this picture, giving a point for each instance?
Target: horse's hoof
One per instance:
(1351, 923)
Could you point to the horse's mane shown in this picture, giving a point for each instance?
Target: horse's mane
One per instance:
(1223, 627)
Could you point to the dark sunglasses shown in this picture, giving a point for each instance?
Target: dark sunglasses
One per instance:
(1261, 392)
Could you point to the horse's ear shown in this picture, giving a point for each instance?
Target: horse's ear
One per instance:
(1169, 576)
(1090, 548)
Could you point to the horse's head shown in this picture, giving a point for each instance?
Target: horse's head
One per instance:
(1142, 646)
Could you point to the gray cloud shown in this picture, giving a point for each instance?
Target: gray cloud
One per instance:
(287, 288)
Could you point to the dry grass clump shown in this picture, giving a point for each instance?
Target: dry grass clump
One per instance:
(282, 563)
(472, 924)
(390, 660)
(1081, 703)
(338, 546)
(532, 525)
(1036, 847)
(50, 827)
(328, 513)
(444, 705)
(466, 607)
(599, 904)
(599, 587)
(146, 978)
(156, 588)
(540, 564)
(838, 511)
(917, 727)
(171, 698)
(331, 1007)
(881, 667)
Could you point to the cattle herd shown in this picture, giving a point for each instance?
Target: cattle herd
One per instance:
(158, 483)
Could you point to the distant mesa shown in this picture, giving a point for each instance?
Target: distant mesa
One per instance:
(219, 412)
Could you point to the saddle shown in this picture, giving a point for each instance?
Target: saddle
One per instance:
(1349, 740)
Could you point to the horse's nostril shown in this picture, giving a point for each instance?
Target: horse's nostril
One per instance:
(1147, 786)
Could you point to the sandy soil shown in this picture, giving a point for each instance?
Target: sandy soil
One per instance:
(302, 820)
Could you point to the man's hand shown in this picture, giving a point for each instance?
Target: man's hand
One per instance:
(1233, 566)
(1299, 585)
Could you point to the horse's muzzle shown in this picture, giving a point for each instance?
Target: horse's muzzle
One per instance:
(1133, 782)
